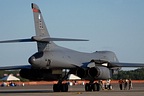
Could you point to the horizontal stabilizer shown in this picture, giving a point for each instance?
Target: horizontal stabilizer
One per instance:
(16, 40)
(47, 39)
(41, 39)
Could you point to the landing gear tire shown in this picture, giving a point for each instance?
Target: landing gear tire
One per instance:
(64, 88)
(92, 87)
(88, 87)
(96, 87)
(56, 87)
(60, 87)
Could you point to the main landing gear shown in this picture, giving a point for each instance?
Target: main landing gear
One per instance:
(92, 86)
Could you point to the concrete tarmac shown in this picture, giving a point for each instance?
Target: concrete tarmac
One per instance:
(76, 90)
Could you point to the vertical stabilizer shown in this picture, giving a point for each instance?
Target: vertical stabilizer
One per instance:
(40, 27)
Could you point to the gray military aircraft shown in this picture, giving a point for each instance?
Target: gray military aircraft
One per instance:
(50, 60)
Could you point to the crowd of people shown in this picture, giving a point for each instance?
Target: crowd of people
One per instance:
(127, 83)
(11, 83)
(105, 84)
(8, 84)
(124, 84)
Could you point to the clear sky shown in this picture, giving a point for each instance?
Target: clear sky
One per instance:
(115, 25)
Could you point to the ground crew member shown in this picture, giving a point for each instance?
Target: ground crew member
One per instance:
(130, 84)
(120, 84)
(125, 84)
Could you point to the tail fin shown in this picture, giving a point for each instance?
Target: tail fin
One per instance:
(40, 27)
(44, 42)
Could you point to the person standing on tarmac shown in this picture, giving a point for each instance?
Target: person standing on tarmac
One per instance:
(125, 84)
(121, 84)
(101, 84)
(130, 84)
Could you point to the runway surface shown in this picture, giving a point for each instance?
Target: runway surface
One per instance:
(76, 90)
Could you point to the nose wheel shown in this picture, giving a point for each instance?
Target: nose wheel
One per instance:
(61, 87)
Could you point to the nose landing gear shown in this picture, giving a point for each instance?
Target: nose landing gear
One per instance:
(61, 87)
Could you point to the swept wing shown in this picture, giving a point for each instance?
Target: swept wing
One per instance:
(16, 67)
(116, 64)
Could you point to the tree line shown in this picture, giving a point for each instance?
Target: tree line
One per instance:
(137, 74)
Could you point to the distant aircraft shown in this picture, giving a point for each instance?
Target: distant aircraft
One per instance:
(50, 60)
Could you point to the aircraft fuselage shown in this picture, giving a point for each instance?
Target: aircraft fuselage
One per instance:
(60, 57)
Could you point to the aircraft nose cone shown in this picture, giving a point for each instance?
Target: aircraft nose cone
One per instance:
(32, 60)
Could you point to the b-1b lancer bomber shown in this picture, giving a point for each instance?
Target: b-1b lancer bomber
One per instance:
(50, 60)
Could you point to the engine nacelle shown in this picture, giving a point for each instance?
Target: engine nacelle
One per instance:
(99, 73)
(38, 74)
